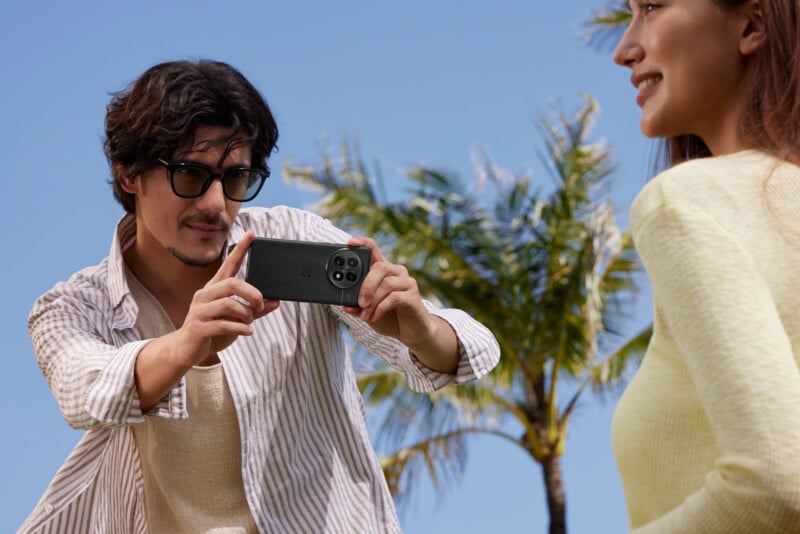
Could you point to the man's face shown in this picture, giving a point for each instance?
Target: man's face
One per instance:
(193, 230)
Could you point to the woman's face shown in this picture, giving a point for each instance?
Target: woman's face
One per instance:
(686, 64)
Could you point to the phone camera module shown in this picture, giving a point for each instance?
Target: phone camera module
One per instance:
(345, 268)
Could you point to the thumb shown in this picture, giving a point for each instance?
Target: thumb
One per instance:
(233, 262)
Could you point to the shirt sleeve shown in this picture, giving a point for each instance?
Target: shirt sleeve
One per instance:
(90, 377)
(721, 313)
(477, 347)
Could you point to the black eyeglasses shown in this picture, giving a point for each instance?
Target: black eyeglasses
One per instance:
(192, 180)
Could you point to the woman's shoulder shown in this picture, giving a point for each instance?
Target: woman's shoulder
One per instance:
(715, 185)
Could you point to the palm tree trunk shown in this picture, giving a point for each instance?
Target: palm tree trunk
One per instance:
(554, 486)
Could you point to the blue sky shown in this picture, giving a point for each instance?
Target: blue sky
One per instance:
(416, 82)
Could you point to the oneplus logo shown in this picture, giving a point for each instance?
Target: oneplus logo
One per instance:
(306, 272)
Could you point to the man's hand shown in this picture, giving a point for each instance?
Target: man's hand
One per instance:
(219, 313)
(390, 303)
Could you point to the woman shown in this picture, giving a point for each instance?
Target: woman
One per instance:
(707, 435)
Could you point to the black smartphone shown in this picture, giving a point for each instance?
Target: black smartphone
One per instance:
(325, 273)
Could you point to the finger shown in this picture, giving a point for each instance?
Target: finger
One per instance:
(371, 283)
(232, 287)
(197, 331)
(269, 307)
(233, 262)
(222, 327)
(394, 299)
(350, 310)
(389, 304)
(227, 308)
(375, 253)
(383, 279)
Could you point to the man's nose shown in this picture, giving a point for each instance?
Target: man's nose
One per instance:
(213, 200)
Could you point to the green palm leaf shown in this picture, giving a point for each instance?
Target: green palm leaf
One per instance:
(603, 28)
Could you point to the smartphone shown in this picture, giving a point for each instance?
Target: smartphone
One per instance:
(304, 271)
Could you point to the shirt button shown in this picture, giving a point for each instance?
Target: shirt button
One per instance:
(48, 509)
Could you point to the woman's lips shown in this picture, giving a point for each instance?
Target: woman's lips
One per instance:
(646, 86)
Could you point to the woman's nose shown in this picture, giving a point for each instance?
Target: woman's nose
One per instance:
(628, 51)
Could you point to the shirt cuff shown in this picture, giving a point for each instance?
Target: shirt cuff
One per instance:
(478, 351)
(113, 398)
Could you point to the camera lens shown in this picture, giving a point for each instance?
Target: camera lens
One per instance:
(351, 277)
(338, 275)
(352, 262)
(338, 260)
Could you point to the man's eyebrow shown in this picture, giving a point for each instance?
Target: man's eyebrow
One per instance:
(202, 146)
(183, 153)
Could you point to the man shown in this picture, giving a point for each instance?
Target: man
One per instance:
(207, 407)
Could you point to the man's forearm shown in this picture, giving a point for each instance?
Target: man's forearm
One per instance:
(157, 370)
(440, 352)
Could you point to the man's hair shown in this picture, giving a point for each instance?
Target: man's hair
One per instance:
(771, 119)
(160, 112)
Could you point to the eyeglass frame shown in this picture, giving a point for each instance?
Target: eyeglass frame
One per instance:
(171, 167)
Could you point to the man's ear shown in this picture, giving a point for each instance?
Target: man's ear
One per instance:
(128, 183)
(753, 34)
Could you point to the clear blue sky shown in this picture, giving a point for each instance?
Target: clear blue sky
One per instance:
(416, 81)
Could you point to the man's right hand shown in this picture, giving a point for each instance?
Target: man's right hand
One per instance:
(219, 313)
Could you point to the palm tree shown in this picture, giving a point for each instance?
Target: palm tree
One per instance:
(550, 274)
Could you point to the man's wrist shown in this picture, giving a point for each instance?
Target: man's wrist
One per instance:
(439, 350)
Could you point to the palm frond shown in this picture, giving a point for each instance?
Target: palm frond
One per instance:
(604, 28)
(415, 414)
(618, 287)
(610, 373)
(441, 457)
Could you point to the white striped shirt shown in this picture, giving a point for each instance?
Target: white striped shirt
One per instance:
(307, 462)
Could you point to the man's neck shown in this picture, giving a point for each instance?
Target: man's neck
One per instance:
(169, 279)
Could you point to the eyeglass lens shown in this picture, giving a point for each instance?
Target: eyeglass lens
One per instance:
(238, 184)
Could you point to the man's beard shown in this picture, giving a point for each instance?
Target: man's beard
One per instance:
(214, 220)
(191, 262)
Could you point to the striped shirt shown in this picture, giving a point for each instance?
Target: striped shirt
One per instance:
(307, 463)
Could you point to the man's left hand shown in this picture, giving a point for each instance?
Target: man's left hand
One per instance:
(390, 303)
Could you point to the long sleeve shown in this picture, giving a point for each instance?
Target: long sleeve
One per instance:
(87, 350)
(720, 312)
(81, 367)
(477, 347)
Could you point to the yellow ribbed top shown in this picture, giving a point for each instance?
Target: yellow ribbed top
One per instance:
(707, 434)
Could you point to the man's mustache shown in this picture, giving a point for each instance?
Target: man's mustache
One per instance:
(205, 219)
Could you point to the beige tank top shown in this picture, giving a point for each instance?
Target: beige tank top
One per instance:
(192, 468)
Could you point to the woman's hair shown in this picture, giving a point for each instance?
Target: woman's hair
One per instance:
(160, 112)
(771, 119)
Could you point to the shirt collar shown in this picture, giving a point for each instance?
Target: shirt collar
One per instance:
(124, 237)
